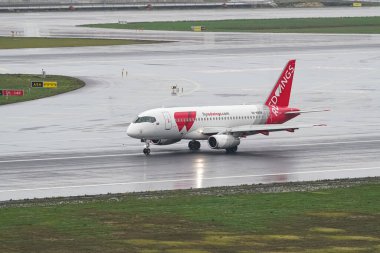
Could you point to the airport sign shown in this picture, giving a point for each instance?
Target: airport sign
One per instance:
(50, 84)
(12, 93)
(198, 28)
(45, 84)
(37, 84)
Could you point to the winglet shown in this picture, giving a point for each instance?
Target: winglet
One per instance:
(280, 95)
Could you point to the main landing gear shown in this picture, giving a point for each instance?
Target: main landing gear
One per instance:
(194, 145)
(231, 150)
(146, 150)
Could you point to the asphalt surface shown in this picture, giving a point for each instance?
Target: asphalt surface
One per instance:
(76, 143)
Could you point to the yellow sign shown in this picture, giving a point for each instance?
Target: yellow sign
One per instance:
(50, 84)
(198, 28)
(357, 4)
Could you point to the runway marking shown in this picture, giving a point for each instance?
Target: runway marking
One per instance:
(328, 143)
(186, 179)
(226, 56)
(168, 152)
(70, 157)
(275, 69)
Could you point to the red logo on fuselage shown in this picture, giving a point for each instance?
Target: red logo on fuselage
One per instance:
(184, 119)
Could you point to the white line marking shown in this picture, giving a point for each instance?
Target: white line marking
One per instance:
(186, 179)
(168, 152)
(228, 56)
(328, 143)
(69, 157)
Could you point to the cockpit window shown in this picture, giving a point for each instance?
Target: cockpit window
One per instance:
(145, 119)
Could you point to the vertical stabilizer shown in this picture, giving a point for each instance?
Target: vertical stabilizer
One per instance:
(280, 95)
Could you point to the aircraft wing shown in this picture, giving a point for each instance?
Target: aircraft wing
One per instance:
(254, 129)
(212, 130)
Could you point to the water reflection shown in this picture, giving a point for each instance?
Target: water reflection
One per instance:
(199, 168)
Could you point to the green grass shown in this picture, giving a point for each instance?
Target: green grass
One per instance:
(23, 81)
(291, 25)
(30, 42)
(333, 220)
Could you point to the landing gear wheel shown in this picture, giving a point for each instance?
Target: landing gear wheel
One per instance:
(231, 150)
(146, 151)
(194, 145)
(197, 145)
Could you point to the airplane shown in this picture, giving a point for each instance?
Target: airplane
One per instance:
(221, 126)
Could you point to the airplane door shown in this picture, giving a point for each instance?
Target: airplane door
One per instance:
(168, 121)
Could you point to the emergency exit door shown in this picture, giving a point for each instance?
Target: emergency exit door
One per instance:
(168, 121)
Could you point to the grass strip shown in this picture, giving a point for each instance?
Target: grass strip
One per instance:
(327, 216)
(32, 42)
(289, 25)
(23, 82)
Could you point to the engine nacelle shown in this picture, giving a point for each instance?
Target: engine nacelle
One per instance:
(165, 141)
(222, 141)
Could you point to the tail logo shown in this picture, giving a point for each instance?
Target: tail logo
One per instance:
(278, 91)
(275, 100)
(284, 80)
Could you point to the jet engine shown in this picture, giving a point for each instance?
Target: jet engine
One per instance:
(223, 141)
(165, 141)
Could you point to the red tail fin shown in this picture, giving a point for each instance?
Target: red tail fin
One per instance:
(280, 95)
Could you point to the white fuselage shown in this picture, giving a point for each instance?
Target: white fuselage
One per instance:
(188, 122)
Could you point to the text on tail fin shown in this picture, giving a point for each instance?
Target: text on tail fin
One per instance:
(280, 95)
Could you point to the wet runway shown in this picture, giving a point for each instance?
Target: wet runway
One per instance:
(175, 168)
(75, 143)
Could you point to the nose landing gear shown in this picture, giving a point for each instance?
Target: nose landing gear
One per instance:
(146, 150)
(194, 145)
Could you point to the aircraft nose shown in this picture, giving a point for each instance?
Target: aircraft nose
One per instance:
(133, 131)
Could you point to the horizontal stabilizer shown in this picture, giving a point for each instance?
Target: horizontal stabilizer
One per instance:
(299, 112)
